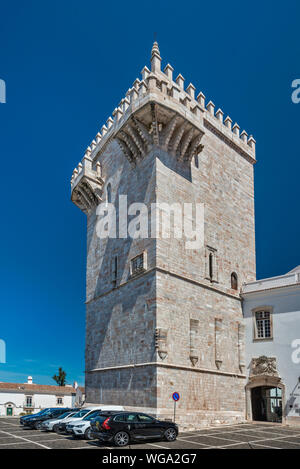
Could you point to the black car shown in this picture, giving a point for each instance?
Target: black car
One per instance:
(35, 421)
(123, 427)
(29, 416)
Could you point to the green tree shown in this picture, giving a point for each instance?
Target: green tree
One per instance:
(61, 377)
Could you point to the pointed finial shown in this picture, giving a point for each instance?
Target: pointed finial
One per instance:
(155, 49)
(155, 58)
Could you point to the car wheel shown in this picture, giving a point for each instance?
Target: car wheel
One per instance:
(55, 428)
(88, 434)
(38, 425)
(121, 439)
(170, 434)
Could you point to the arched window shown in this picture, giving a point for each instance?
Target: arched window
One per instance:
(197, 161)
(234, 281)
(210, 266)
(108, 193)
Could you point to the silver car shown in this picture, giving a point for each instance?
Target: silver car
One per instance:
(48, 425)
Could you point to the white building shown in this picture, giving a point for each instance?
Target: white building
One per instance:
(272, 318)
(18, 398)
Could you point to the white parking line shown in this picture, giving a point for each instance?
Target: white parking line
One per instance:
(25, 439)
(20, 442)
(269, 447)
(217, 433)
(210, 436)
(157, 446)
(254, 442)
(33, 433)
(294, 432)
(194, 442)
(13, 424)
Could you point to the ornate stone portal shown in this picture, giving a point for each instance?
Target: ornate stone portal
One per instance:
(263, 373)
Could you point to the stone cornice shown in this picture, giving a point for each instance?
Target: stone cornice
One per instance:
(168, 365)
(173, 274)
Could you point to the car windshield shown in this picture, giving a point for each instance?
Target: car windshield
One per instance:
(91, 416)
(64, 415)
(81, 413)
(42, 412)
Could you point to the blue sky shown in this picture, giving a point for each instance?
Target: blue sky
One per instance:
(66, 66)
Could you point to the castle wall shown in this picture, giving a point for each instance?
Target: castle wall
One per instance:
(223, 182)
(214, 395)
(120, 319)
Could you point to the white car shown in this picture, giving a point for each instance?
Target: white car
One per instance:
(49, 424)
(81, 427)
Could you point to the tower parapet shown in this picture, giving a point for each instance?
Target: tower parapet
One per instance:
(86, 184)
(158, 110)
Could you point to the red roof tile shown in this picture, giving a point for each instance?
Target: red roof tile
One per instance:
(38, 388)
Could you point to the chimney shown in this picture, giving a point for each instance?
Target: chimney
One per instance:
(29, 380)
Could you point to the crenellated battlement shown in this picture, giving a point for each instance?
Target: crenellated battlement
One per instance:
(159, 86)
(158, 110)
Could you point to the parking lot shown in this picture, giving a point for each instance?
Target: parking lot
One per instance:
(243, 436)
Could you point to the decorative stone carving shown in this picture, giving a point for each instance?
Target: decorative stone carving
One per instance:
(264, 366)
(218, 344)
(194, 325)
(241, 347)
(157, 126)
(161, 342)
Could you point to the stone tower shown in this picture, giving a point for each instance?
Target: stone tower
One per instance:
(160, 317)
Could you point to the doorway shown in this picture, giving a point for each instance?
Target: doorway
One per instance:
(9, 411)
(266, 404)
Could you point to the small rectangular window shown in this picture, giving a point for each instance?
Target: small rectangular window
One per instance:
(138, 264)
(59, 401)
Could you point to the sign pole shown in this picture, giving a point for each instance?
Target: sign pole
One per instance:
(174, 410)
(175, 397)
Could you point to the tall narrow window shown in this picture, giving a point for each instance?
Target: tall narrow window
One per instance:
(263, 328)
(234, 281)
(115, 270)
(108, 193)
(28, 401)
(196, 161)
(210, 266)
